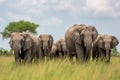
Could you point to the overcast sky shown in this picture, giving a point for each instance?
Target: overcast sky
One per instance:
(56, 16)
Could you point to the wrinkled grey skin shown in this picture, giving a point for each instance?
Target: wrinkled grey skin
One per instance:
(46, 42)
(103, 45)
(24, 45)
(54, 51)
(61, 46)
(79, 39)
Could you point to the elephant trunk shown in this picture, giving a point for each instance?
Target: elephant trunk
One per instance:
(17, 55)
(46, 51)
(108, 55)
(107, 47)
(88, 50)
(17, 51)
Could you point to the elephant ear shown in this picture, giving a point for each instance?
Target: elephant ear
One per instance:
(94, 32)
(50, 40)
(115, 42)
(11, 43)
(27, 42)
(76, 36)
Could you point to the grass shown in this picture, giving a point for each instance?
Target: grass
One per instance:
(59, 70)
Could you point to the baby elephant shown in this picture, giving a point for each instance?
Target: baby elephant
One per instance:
(103, 45)
(54, 51)
(61, 46)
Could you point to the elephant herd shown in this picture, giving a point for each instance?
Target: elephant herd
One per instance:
(81, 41)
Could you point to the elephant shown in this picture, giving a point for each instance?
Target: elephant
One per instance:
(54, 51)
(45, 44)
(25, 46)
(103, 45)
(79, 40)
(61, 46)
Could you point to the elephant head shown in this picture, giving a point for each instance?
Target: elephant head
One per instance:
(94, 32)
(60, 44)
(28, 41)
(54, 51)
(16, 43)
(106, 43)
(61, 47)
(83, 30)
(46, 42)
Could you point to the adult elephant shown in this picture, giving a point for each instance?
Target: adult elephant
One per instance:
(61, 46)
(79, 39)
(46, 42)
(25, 46)
(103, 45)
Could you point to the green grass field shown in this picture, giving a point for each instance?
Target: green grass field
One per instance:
(59, 70)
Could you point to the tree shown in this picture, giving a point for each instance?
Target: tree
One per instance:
(115, 51)
(20, 26)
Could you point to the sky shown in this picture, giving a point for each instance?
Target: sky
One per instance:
(56, 16)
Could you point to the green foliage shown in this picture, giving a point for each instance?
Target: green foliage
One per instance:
(59, 70)
(114, 52)
(20, 26)
(6, 52)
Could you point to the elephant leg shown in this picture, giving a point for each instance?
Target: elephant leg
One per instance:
(47, 57)
(28, 58)
(94, 55)
(17, 58)
(87, 57)
(97, 55)
(80, 52)
(71, 56)
(65, 54)
(60, 54)
(101, 54)
(110, 55)
(36, 56)
(40, 54)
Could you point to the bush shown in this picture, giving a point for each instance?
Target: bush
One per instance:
(114, 52)
(6, 52)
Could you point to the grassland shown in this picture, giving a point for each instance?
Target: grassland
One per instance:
(59, 70)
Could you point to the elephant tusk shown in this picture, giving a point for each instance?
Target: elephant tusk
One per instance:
(20, 51)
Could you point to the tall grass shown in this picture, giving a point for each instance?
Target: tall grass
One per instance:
(59, 70)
